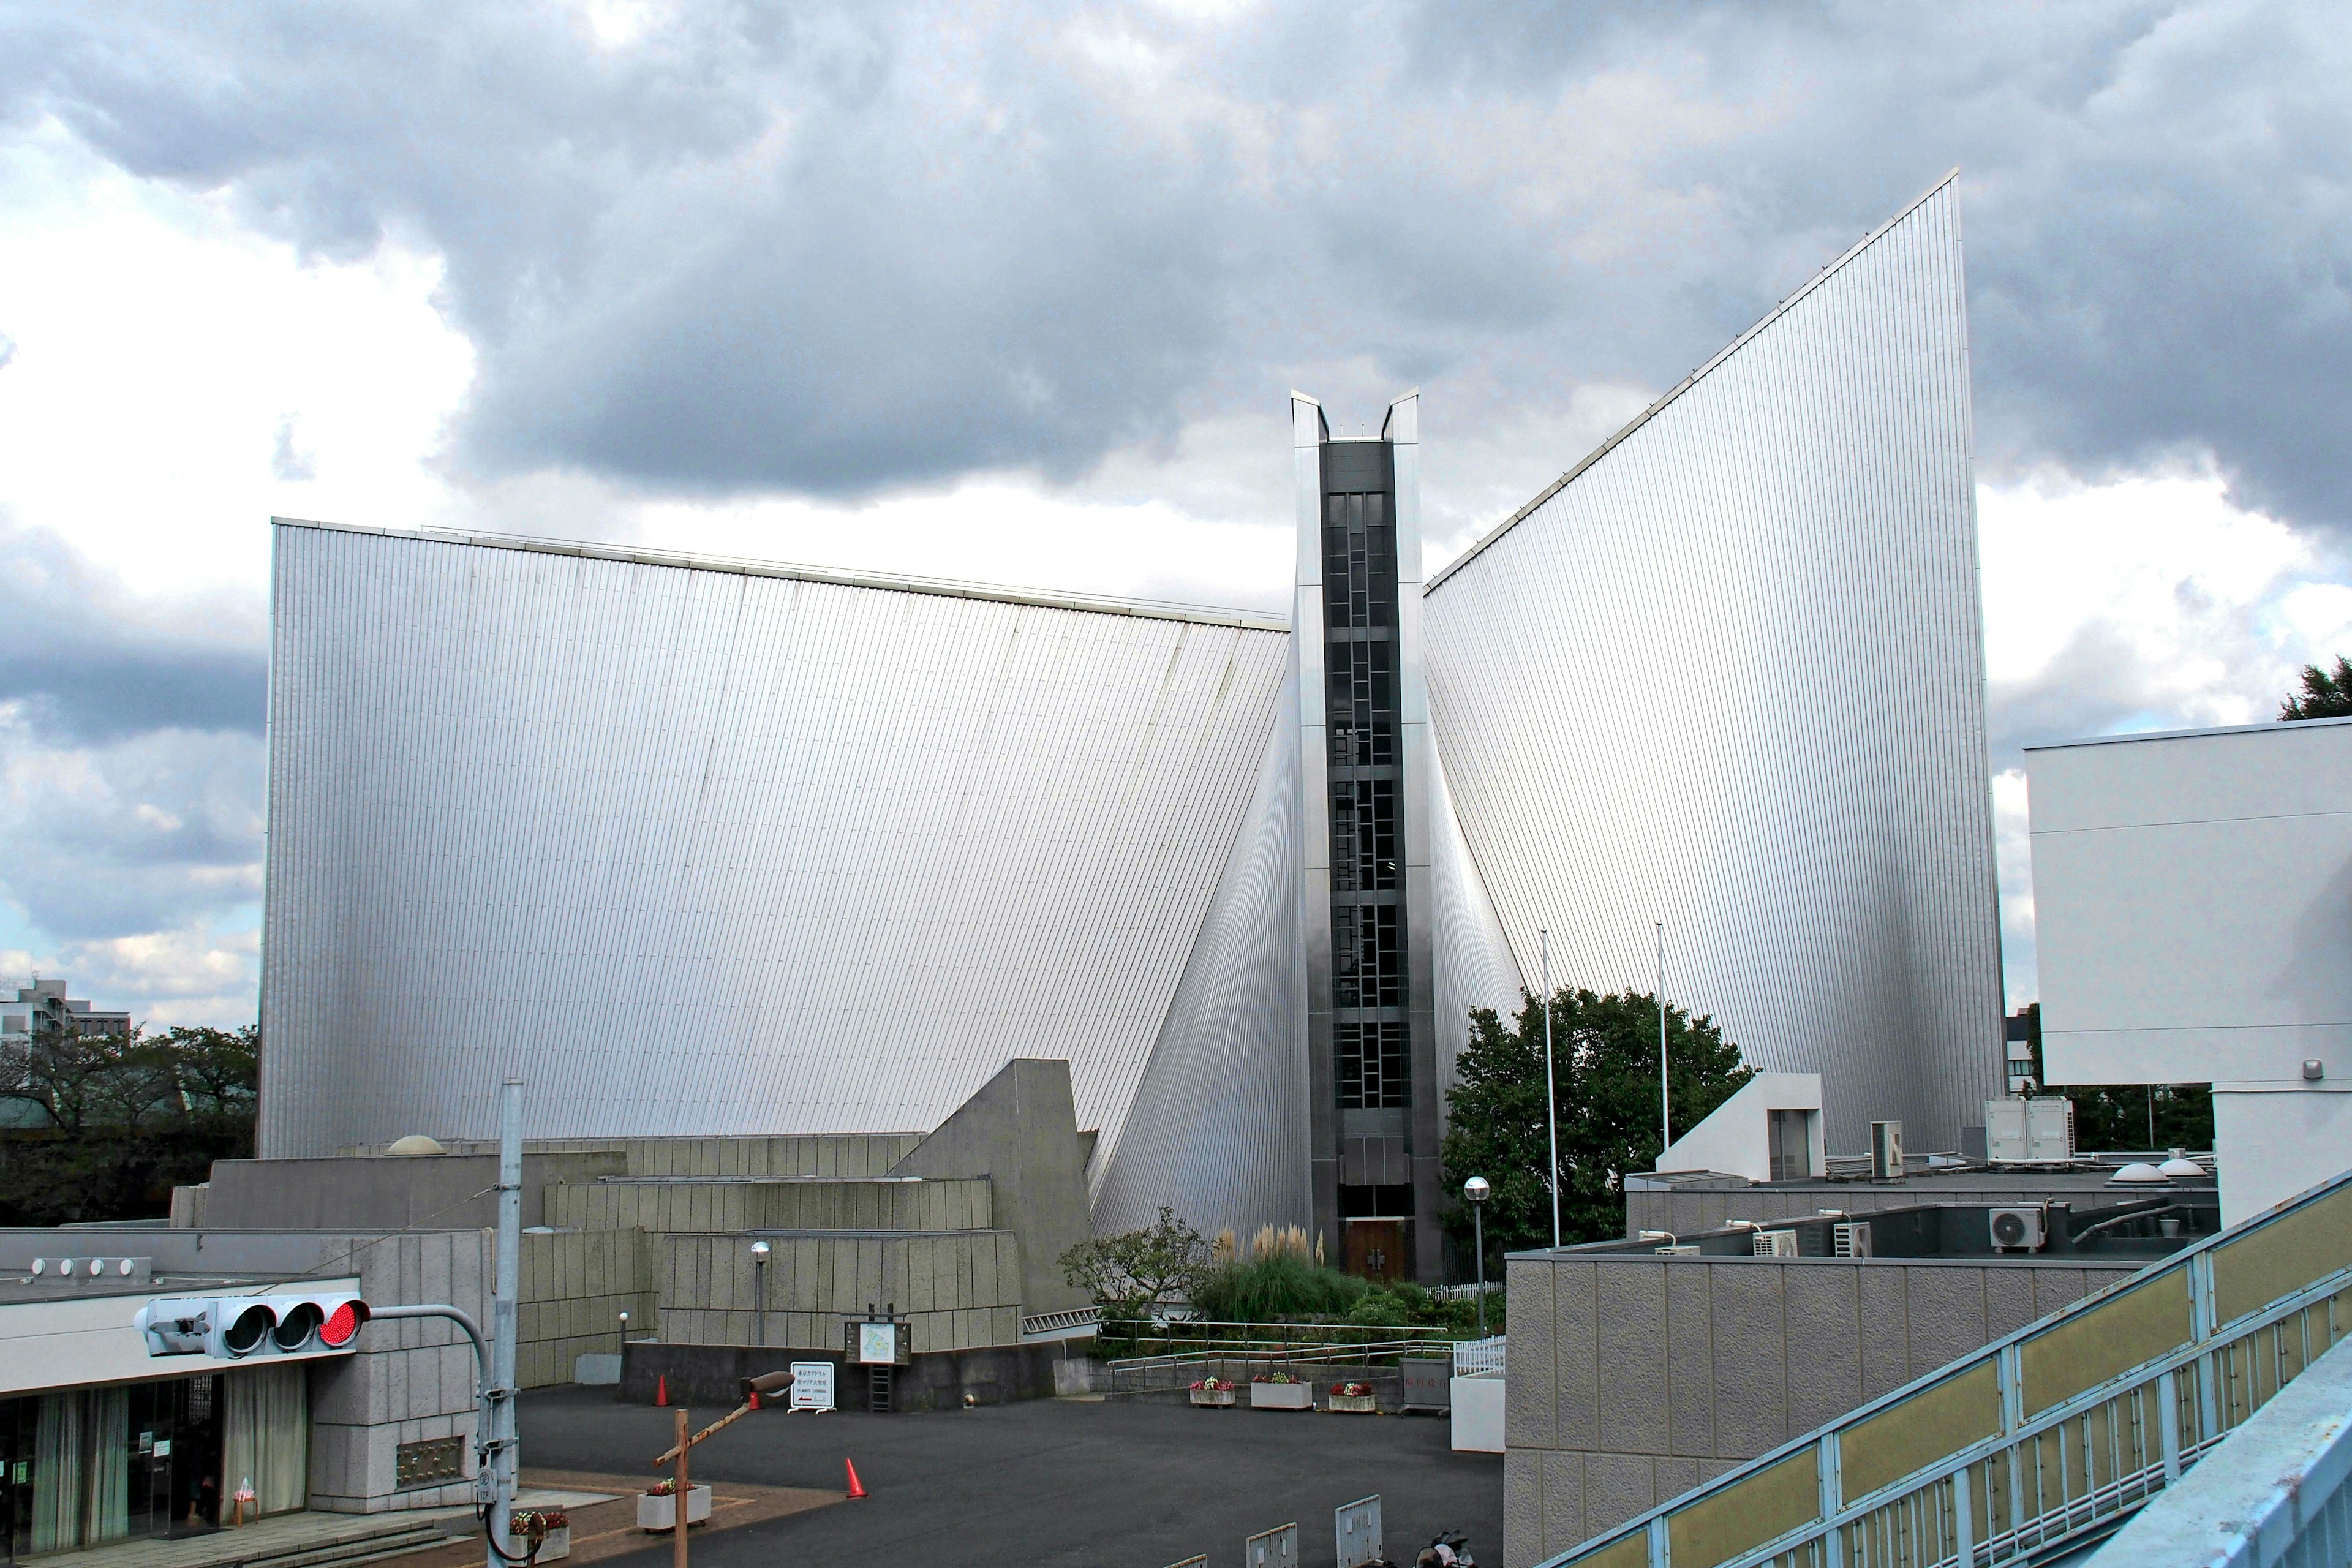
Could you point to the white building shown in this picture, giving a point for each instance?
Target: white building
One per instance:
(855, 841)
(43, 1007)
(2193, 917)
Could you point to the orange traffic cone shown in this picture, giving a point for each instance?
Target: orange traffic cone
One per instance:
(854, 1489)
(661, 1390)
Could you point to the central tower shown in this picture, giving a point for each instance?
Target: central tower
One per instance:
(1365, 776)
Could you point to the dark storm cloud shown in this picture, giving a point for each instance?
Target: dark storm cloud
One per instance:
(838, 250)
(88, 663)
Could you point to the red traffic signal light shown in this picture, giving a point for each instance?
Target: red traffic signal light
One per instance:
(231, 1328)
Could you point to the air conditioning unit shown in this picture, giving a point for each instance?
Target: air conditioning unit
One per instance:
(1850, 1239)
(1773, 1244)
(2018, 1230)
(1886, 1150)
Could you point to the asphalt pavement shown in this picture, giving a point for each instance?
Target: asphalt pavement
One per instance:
(1050, 1483)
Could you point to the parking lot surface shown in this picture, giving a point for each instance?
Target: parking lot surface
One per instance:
(1057, 1482)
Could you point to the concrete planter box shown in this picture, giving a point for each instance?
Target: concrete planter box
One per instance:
(555, 1548)
(1212, 1398)
(1355, 1404)
(661, 1513)
(1282, 1396)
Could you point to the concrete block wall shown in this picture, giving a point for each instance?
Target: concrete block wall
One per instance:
(961, 1290)
(1633, 1378)
(412, 1381)
(799, 1203)
(810, 1154)
(575, 1286)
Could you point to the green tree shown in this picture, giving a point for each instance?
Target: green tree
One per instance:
(1135, 1270)
(2325, 695)
(1605, 1070)
(123, 1119)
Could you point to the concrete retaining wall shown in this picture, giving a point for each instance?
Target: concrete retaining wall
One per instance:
(960, 1289)
(1633, 1378)
(710, 1376)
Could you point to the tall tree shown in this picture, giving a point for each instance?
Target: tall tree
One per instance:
(1605, 1070)
(2326, 694)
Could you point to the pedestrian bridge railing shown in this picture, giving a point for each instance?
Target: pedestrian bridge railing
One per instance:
(2051, 1436)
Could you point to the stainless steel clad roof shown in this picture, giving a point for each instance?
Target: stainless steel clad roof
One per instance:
(716, 850)
(1728, 674)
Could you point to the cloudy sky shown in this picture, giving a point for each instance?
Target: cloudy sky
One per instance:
(1016, 294)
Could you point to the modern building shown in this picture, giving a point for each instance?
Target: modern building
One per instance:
(854, 841)
(43, 1007)
(2192, 925)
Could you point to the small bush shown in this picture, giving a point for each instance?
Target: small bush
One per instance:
(1276, 1286)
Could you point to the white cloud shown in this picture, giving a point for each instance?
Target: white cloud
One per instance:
(168, 359)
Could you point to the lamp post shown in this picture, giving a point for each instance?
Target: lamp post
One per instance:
(760, 1292)
(1552, 1095)
(624, 1334)
(1475, 1189)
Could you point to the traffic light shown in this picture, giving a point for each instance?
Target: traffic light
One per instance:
(233, 1328)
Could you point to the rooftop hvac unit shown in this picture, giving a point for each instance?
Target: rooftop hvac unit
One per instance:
(1682, 1249)
(1886, 1151)
(2030, 1131)
(1773, 1243)
(2018, 1230)
(1850, 1239)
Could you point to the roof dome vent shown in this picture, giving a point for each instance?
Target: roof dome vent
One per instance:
(2187, 1170)
(2138, 1171)
(416, 1143)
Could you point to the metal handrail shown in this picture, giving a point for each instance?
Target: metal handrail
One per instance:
(1969, 1508)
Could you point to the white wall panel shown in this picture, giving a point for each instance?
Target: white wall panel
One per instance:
(1472, 963)
(1729, 673)
(722, 851)
(1219, 1128)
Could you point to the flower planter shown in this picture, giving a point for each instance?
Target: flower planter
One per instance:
(660, 1512)
(1212, 1398)
(1282, 1396)
(1359, 1403)
(553, 1548)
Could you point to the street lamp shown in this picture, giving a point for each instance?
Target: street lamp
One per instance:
(624, 1334)
(1476, 1190)
(759, 1291)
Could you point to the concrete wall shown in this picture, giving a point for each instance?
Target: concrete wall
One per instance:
(1736, 1137)
(788, 1203)
(1021, 1129)
(412, 1381)
(1635, 1378)
(783, 1154)
(961, 1290)
(393, 1192)
(575, 1286)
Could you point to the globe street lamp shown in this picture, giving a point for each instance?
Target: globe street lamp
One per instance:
(1476, 1190)
(760, 1292)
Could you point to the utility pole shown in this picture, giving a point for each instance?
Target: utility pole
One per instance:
(1551, 1096)
(1665, 1111)
(506, 1450)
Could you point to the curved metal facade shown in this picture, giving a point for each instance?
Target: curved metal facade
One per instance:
(724, 850)
(1728, 674)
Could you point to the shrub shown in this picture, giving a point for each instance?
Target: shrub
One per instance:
(1276, 1286)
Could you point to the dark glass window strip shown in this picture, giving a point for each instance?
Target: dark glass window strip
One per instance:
(1359, 562)
(1362, 710)
(1373, 1071)
(1366, 956)
(1363, 836)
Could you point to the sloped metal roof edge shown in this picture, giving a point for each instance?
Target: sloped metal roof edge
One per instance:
(1651, 412)
(1095, 603)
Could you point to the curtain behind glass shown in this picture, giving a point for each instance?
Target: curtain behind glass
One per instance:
(266, 1435)
(81, 1469)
